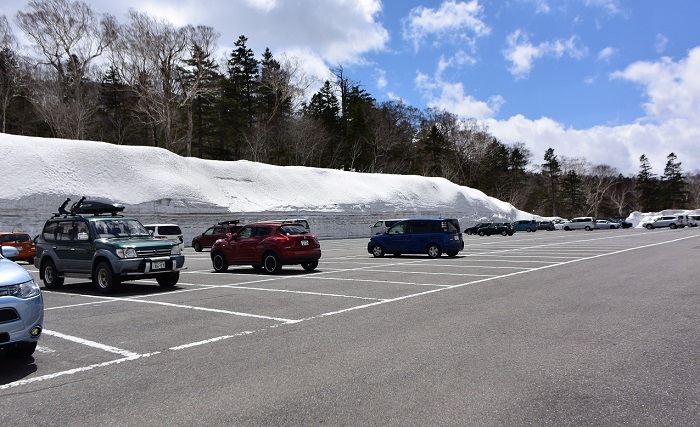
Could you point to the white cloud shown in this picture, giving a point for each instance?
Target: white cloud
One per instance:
(452, 97)
(456, 20)
(672, 88)
(610, 6)
(522, 54)
(661, 42)
(606, 53)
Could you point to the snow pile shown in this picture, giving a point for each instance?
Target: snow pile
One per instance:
(156, 185)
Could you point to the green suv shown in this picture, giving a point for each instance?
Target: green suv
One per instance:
(93, 240)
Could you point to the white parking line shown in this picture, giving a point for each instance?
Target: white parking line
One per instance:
(381, 282)
(94, 344)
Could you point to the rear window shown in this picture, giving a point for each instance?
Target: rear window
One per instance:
(292, 229)
(15, 237)
(169, 229)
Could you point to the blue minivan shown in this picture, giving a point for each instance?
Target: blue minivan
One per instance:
(432, 236)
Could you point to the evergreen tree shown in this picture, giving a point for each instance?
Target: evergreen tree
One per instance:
(675, 189)
(551, 171)
(572, 194)
(240, 93)
(647, 187)
(116, 106)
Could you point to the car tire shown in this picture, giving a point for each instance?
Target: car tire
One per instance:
(218, 261)
(481, 233)
(104, 279)
(504, 233)
(309, 266)
(587, 228)
(20, 350)
(469, 232)
(452, 253)
(197, 247)
(377, 251)
(649, 227)
(434, 251)
(168, 280)
(529, 230)
(567, 228)
(51, 277)
(672, 226)
(271, 263)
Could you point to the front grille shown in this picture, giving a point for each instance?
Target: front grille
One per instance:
(149, 253)
(8, 315)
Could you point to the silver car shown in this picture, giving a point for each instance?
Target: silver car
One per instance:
(21, 308)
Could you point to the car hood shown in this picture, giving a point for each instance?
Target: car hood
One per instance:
(137, 242)
(12, 273)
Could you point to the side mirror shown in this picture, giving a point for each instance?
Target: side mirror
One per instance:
(9, 252)
(231, 236)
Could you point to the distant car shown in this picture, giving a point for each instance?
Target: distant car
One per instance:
(21, 309)
(214, 233)
(382, 226)
(23, 242)
(432, 236)
(501, 228)
(303, 222)
(474, 229)
(670, 221)
(267, 246)
(545, 225)
(604, 223)
(693, 220)
(579, 223)
(171, 232)
(524, 225)
(623, 223)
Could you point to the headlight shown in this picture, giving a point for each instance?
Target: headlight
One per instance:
(175, 250)
(126, 253)
(24, 290)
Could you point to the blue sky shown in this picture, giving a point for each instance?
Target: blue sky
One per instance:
(602, 80)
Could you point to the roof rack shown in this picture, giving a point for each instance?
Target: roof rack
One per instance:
(231, 222)
(89, 207)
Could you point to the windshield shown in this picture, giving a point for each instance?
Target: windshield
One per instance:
(119, 227)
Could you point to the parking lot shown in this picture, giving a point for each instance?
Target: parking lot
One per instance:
(110, 343)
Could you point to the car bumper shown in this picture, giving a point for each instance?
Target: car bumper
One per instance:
(148, 266)
(21, 315)
(300, 257)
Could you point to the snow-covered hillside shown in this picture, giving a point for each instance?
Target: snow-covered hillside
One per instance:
(156, 185)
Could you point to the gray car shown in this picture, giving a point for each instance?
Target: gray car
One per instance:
(21, 309)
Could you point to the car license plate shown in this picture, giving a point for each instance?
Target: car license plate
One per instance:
(158, 265)
(304, 243)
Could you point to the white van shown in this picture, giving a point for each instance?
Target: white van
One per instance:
(171, 232)
(382, 225)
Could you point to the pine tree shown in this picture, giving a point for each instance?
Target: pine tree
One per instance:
(675, 189)
(240, 92)
(647, 187)
(572, 194)
(551, 171)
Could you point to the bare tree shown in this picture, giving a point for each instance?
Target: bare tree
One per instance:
(597, 185)
(621, 193)
(693, 181)
(148, 55)
(68, 37)
(11, 77)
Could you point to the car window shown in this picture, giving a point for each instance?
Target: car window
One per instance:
(262, 231)
(399, 228)
(245, 232)
(416, 227)
(378, 224)
(292, 229)
(169, 229)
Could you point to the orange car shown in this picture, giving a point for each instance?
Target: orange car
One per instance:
(23, 243)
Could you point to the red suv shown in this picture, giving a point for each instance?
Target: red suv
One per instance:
(212, 234)
(23, 243)
(267, 246)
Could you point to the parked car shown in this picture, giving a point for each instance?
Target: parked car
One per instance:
(670, 221)
(432, 236)
(267, 246)
(529, 225)
(382, 226)
(693, 220)
(580, 223)
(303, 222)
(171, 232)
(21, 308)
(474, 229)
(545, 225)
(604, 223)
(99, 243)
(501, 228)
(23, 243)
(214, 233)
(622, 221)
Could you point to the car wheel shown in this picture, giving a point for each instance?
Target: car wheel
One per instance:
(310, 266)
(529, 230)
(197, 247)
(434, 251)
(51, 278)
(452, 253)
(504, 233)
(20, 349)
(104, 279)
(377, 251)
(271, 263)
(219, 262)
(469, 232)
(567, 228)
(481, 233)
(672, 226)
(168, 280)
(612, 227)
(649, 226)
(587, 228)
